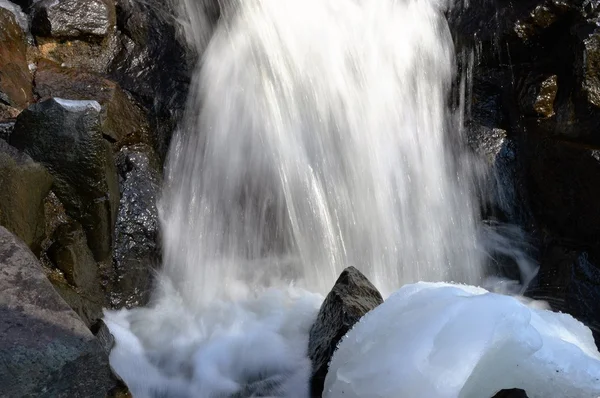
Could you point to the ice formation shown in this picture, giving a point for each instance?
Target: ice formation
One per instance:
(439, 340)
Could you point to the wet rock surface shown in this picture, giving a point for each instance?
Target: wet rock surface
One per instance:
(154, 64)
(6, 129)
(350, 299)
(25, 184)
(67, 138)
(45, 348)
(136, 253)
(73, 18)
(15, 77)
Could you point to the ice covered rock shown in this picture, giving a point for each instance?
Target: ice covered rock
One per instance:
(439, 340)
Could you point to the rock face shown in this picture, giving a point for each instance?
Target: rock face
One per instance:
(535, 76)
(6, 129)
(136, 251)
(67, 138)
(352, 297)
(15, 78)
(73, 18)
(45, 349)
(24, 184)
(154, 64)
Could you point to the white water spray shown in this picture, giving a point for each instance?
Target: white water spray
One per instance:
(317, 137)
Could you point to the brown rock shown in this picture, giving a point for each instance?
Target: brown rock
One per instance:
(25, 184)
(15, 78)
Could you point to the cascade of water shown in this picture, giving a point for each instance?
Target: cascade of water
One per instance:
(318, 135)
(322, 140)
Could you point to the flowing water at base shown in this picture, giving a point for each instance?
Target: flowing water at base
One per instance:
(318, 136)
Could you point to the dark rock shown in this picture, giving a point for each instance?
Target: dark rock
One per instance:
(123, 121)
(136, 249)
(69, 19)
(15, 77)
(538, 95)
(154, 64)
(514, 393)
(24, 184)
(67, 138)
(45, 349)
(350, 299)
(6, 129)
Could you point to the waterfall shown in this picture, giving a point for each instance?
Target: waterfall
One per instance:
(318, 135)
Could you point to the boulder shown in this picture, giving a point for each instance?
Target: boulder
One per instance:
(15, 77)
(67, 137)
(25, 184)
(350, 299)
(136, 250)
(123, 121)
(73, 19)
(45, 349)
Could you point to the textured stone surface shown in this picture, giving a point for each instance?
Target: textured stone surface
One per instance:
(73, 18)
(15, 78)
(45, 349)
(123, 121)
(136, 251)
(25, 184)
(154, 63)
(351, 297)
(68, 139)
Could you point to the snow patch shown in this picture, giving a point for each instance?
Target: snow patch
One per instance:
(78, 105)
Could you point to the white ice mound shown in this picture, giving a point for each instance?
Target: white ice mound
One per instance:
(439, 340)
(255, 345)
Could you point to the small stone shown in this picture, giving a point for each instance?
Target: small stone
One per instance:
(349, 300)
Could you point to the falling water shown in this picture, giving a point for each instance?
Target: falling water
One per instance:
(318, 136)
(322, 140)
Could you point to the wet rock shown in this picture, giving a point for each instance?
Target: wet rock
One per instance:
(79, 54)
(350, 299)
(45, 349)
(25, 184)
(154, 64)
(136, 251)
(15, 78)
(538, 95)
(591, 69)
(6, 129)
(69, 19)
(123, 121)
(67, 137)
